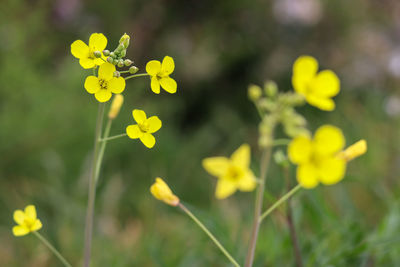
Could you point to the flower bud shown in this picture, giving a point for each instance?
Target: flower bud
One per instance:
(124, 41)
(270, 88)
(357, 149)
(112, 54)
(120, 63)
(133, 69)
(123, 53)
(117, 74)
(110, 60)
(254, 92)
(161, 191)
(97, 54)
(281, 159)
(128, 62)
(116, 105)
(106, 52)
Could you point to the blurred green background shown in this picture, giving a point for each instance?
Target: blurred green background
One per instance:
(47, 125)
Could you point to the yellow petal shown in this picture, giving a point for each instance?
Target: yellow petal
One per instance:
(216, 166)
(300, 149)
(148, 140)
(323, 103)
(30, 212)
(100, 61)
(36, 225)
(247, 183)
(326, 83)
(154, 124)
(106, 71)
(116, 85)
(139, 116)
(133, 131)
(304, 69)
(153, 67)
(161, 191)
(155, 85)
(355, 150)
(19, 216)
(97, 42)
(116, 105)
(79, 49)
(167, 66)
(241, 157)
(331, 170)
(20, 230)
(328, 140)
(168, 84)
(307, 176)
(87, 63)
(92, 84)
(103, 95)
(224, 189)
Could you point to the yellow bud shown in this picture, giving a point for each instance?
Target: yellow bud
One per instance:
(124, 40)
(161, 191)
(254, 92)
(355, 150)
(115, 106)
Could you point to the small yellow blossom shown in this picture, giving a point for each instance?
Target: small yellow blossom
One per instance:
(85, 53)
(105, 84)
(355, 150)
(115, 106)
(161, 191)
(27, 221)
(159, 73)
(144, 128)
(317, 88)
(320, 159)
(233, 173)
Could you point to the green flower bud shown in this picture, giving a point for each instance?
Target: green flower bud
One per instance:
(254, 92)
(264, 141)
(120, 63)
(112, 54)
(267, 104)
(97, 54)
(128, 62)
(116, 74)
(110, 60)
(124, 41)
(270, 88)
(106, 52)
(281, 159)
(123, 53)
(133, 69)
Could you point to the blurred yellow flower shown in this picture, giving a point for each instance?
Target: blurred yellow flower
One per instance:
(116, 105)
(317, 88)
(26, 220)
(319, 159)
(159, 73)
(105, 84)
(161, 191)
(85, 53)
(144, 128)
(355, 150)
(233, 173)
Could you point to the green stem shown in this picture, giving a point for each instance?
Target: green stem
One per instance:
(92, 189)
(53, 249)
(102, 148)
(210, 235)
(136, 75)
(124, 71)
(113, 137)
(281, 142)
(279, 202)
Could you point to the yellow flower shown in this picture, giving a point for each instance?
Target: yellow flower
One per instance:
(160, 75)
(105, 84)
(144, 128)
(27, 221)
(85, 53)
(320, 159)
(233, 173)
(116, 105)
(317, 88)
(161, 191)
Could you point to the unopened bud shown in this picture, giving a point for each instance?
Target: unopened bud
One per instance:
(117, 74)
(120, 63)
(112, 54)
(128, 62)
(133, 69)
(116, 105)
(110, 60)
(281, 159)
(123, 53)
(357, 149)
(106, 52)
(265, 141)
(270, 88)
(124, 40)
(254, 92)
(97, 54)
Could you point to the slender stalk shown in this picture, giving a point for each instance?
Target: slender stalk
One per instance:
(292, 227)
(136, 75)
(53, 249)
(210, 235)
(92, 189)
(258, 206)
(279, 202)
(102, 148)
(113, 137)
(281, 142)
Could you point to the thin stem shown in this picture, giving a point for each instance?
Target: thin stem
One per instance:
(92, 189)
(292, 227)
(258, 206)
(210, 235)
(136, 75)
(102, 149)
(124, 71)
(113, 137)
(281, 142)
(279, 202)
(53, 249)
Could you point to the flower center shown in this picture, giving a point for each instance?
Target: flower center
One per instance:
(103, 84)
(28, 222)
(234, 173)
(144, 127)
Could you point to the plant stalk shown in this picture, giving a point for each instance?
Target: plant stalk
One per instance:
(52, 249)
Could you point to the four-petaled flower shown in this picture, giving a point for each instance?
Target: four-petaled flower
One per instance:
(232, 173)
(26, 220)
(317, 88)
(144, 128)
(85, 53)
(159, 73)
(161, 191)
(105, 84)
